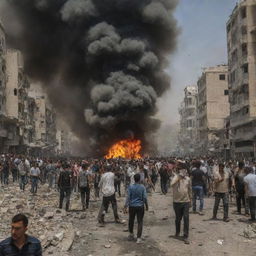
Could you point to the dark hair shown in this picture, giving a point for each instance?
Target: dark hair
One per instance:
(197, 164)
(137, 177)
(20, 217)
(221, 165)
(241, 165)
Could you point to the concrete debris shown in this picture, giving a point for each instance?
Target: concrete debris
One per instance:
(250, 231)
(52, 226)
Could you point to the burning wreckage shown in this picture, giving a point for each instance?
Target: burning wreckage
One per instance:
(102, 63)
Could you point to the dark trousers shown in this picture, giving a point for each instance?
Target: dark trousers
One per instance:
(65, 192)
(164, 185)
(104, 207)
(118, 187)
(133, 212)
(225, 200)
(96, 190)
(23, 182)
(252, 204)
(181, 211)
(85, 191)
(241, 200)
(34, 184)
(198, 192)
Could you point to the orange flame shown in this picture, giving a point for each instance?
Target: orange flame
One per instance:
(129, 149)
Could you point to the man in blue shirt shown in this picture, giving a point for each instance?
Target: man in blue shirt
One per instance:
(136, 198)
(20, 244)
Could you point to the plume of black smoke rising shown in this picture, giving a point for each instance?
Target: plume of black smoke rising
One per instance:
(102, 61)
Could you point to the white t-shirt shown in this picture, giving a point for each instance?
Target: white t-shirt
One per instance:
(35, 171)
(107, 184)
(250, 181)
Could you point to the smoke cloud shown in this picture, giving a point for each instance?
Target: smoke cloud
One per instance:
(101, 61)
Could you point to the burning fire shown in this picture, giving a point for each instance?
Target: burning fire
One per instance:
(129, 149)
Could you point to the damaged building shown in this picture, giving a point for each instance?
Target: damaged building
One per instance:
(241, 37)
(187, 111)
(212, 109)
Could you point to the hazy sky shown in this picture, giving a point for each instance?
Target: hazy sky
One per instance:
(202, 43)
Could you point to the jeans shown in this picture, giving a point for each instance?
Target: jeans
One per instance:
(118, 187)
(133, 212)
(23, 182)
(14, 174)
(51, 180)
(240, 197)
(65, 192)
(252, 204)
(85, 191)
(225, 199)
(104, 207)
(182, 211)
(164, 186)
(6, 178)
(96, 190)
(198, 192)
(34, 184)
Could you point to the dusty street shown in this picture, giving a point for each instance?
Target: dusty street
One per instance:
(77, 233)
(159, 226)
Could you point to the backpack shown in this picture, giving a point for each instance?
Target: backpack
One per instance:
(83, 179)
(65, 180)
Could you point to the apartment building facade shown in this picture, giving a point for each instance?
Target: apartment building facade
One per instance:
(187, 111)
(3, 78)
(212, 109)
(241, 44)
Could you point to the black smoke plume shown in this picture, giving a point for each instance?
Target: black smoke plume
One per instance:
(101, 61)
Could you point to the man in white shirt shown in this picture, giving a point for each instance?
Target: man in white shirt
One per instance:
(34, 175)
(250, 190)
(107, 188)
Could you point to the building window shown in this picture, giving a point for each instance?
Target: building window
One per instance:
(225, 92)
(222, 77)
(243, 13)
(244, 30)
(15, 92)
(245, 68)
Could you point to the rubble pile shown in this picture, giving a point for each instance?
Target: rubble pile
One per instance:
(52, 226)
(250, 231)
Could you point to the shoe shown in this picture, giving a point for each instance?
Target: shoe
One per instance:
(186, 241)
(139, 241)
(214, 218)
(130, 237)
(226, 219)
(177, 235)
(120, 221)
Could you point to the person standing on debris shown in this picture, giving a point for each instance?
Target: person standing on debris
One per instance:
(222, 179)
(164, 177)
(19, 243)
(22, 174)
(198, 182)
(65, 183)
(84, 183)
(136, 198)
(108, 190)
(182, 195)
(240, 189)
(34, 176)
(250, 189)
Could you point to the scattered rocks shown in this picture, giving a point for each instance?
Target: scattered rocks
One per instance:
(250, 231)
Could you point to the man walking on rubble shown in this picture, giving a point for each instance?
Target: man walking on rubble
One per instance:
(108, 190)
(84, 183)
(65, 183)
(182, 195)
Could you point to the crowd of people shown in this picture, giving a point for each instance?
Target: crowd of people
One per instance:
(190, 180)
